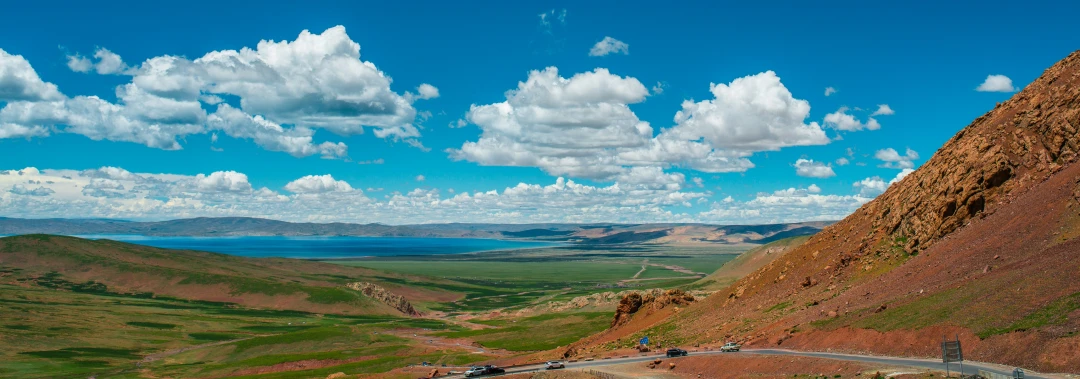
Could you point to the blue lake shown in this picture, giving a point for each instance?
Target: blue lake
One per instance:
(326, 247)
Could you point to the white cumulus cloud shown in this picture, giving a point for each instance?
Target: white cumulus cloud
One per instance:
(752, 113)
(893, 159)
(883, 110)
(316, 81)
(841, 120)
(609, 45)
(20, 82)
(810, 169)
(829, 91)
(996, 83)
(318, 184)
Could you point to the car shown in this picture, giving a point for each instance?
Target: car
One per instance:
(730, 346)
(474, 371)
(676, 352)
(489, 369)
(554, 365)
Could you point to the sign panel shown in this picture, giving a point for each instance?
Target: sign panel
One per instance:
(951, 351)
(645, 340)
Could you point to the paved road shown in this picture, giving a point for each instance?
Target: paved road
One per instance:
(970, 368)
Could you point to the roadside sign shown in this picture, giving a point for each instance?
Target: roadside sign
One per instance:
(951, 352)
(644, 340)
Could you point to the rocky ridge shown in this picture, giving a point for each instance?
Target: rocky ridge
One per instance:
(386, 297)
(981, 241)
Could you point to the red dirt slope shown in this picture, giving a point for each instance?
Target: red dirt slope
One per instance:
(980, 241)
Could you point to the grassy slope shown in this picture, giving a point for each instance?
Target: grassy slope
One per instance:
(122, 267)
(748, 262)
(536, 333)
(47, 332)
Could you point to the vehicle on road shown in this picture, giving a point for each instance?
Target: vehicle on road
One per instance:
(730, 346)
(676, 352)
(474, 371)
(554, 365)
(489, 369)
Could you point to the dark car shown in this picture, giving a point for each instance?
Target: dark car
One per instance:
(676, 352)
(489, 369)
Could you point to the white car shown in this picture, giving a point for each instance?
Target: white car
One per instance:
(474, 371)
(730, 346)
(554, 365)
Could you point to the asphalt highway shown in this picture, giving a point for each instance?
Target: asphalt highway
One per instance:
(970, 368)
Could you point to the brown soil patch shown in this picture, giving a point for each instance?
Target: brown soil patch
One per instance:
(744, 366)
(307, 364)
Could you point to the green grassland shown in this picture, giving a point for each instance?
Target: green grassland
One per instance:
(536, 333)
(76, 308)
(49, 332)
(515, 279)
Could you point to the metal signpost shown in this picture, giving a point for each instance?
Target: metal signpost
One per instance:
(951, 352)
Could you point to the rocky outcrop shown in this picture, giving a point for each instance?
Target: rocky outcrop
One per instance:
(988, 225)
(1019, 143)
(652, 300)
(596, 301)
(386, 297)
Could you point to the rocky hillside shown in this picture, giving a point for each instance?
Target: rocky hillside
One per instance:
(980, 242)
(376, 292)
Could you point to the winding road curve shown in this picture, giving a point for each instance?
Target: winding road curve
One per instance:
(970, 368)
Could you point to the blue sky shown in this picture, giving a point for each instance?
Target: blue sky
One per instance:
(923, 59)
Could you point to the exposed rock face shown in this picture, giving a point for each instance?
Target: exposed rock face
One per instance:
(988, 225)
(1021, 142)
(386, 297)
(654, 299)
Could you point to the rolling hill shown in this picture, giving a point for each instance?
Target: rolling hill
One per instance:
(979, 242)
(748, 262)
(106, 266)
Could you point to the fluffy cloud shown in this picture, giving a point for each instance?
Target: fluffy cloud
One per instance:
(223, 181)
(900, 176)
(17, 131)
(314, 81)
(804, 204)
(609, 46)
(893, 159)
(996, 83)
(842, 161)
(752, 113)
(20, 189)
(841, 120)
(117, 193)
(427, 91)
(79, 63)
(873, 186)
(829, 91)
(583, 126)
(108, 62)
(883, 110)
(810, 169)
(19, 81)
(870, 187)
(564, 126)
(296, 141)
(318, 184)
(98, 119)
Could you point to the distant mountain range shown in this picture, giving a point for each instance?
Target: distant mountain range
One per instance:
(584, 233)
